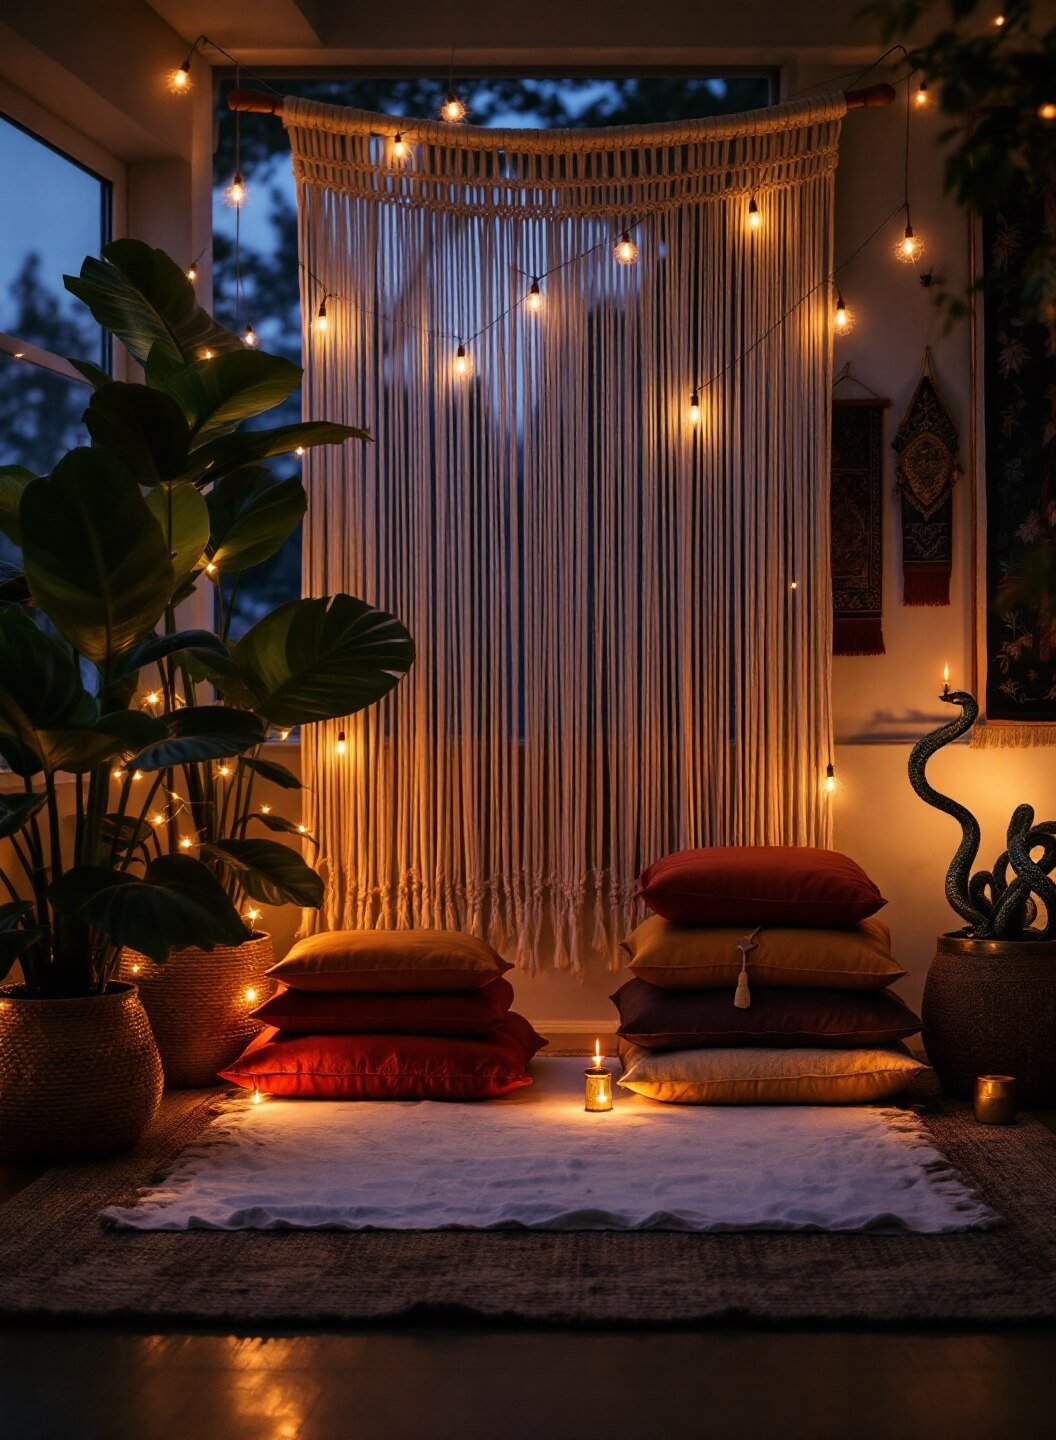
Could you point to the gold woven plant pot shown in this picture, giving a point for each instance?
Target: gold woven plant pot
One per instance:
(78, 1078)
(200, 1003)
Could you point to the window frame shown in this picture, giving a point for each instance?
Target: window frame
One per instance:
(19, 110)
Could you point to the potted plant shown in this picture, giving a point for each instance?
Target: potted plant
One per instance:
(990, 998)
(107, 703)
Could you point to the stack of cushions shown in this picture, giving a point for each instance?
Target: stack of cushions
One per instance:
(389, 1015)
(762, 978)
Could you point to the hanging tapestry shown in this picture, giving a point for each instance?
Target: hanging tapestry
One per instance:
(622, 612)
(1018, 566)
(926, 445)
(857, 500)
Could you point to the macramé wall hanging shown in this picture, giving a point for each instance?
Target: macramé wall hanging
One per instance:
(621, 606)
(928, 467)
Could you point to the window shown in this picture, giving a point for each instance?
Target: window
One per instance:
(269, 291)
(65, 212)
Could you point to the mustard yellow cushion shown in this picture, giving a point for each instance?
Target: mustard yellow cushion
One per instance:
(390, 961)
(685, 957)
(766, 1077)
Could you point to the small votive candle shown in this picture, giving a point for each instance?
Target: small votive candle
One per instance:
(598, 1093)
(995, 1099)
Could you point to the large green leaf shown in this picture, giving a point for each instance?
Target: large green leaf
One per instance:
(40, 690)
(178, 902)
(279, 824)
(270, 872)
(96, 559)
(252, 513)
(14, 943)
(216, 395)
(80, 748)
(147, 301)
(277, 774)
(16, 810)
(92, 373)
(157, 647)
(13, 480)
(142, 427)
(183, 515)
(250, 447)
(320, 659)
(200, 732)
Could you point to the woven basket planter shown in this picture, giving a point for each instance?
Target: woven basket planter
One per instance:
(200, 1003)
(78, 1078)
(989, 1008)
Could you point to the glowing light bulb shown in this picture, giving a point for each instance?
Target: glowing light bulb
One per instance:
(453, 108)
(207, 354)
(755, 220)
(265, 809)
(137, 775)
(535, 298)
(192, 273)
(237, 193)
(157, 818)
(284, 734)
(597, 1054)
(252, 914)
(1047, 111)
(321, 323)
(299, 452)
(794, 585)
(135, 967)
(842, 319)
(921, 97)
(400, 148)
(830, 779)
(694, 408)
(302, 829)
(210, 568)
(180, 79)
(909, 249)
(626, 250)
(117, 773)
(999, 21)
(257, 1096)
(462, 365)
(224, 771)
(251, 990)
(186, 842)
(250, 338)
(341, 745)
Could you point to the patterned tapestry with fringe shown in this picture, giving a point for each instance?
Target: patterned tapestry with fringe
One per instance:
(622, 611)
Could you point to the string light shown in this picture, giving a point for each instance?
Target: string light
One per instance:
(136, 967)
(210, 568)
(755, 220)
(251, 990)
(626, 251)
(284, 734)
(842, 319)
(180, 78)
(153, 698)
(117, 773)
(207, 354)
(265, 809)
(157, 818)
(302, 829)
(910, 248)
(999, 21)
(462, 365)
(830, 779)
(921, 97)
(1047, 111)
(224, 771)
(400, 148)
(694, 408)
(299, 452)
(186, 842)
(453, 109)
(535, 298)
(192, 273)
(321, 323)
(250, 337)
(137, 775)
(794, 585)
(341, 745)
(237, 193)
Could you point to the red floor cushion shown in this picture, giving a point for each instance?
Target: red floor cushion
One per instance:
(452, 1012)
(389, 1067)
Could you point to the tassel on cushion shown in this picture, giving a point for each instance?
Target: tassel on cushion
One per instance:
(742, 997)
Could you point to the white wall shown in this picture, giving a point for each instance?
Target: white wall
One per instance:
(102, 67)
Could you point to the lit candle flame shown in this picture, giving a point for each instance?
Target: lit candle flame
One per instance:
(946, 679)
(597, 1054)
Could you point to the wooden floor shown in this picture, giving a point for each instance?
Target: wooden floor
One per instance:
(63, 1382)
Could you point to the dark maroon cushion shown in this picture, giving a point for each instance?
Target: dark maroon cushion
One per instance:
(759, 885)
(695, 1019)
(343, 1012)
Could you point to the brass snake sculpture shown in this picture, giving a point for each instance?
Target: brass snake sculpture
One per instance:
(994, 907)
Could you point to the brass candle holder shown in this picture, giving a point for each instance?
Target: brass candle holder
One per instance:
(598, 1089)
(995, 1099)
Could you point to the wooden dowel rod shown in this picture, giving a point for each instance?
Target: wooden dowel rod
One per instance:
(255, 102)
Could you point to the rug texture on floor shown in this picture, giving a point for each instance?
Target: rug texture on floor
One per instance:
(536, 1160)
(56, 1259)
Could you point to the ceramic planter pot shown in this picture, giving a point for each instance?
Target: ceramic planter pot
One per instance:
(79, 1078)
(200, 1003)
(990, 1008)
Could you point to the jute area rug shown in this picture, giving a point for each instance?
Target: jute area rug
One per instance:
(56, 1259)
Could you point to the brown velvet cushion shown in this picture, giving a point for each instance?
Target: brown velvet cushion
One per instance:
(452, 1012)
(694, 1019)
(759, 885)
(390, 960)
(684, 957)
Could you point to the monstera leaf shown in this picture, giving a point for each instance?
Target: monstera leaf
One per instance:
(252, 513)
(183, 516)
(318, 660)
(95, 557)
(176, 903)
(147, 301)
(250, 447)
(270, 872)
(143, 428)
(40, 690)
(13, 480)
(200, 732)
(215, 395)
